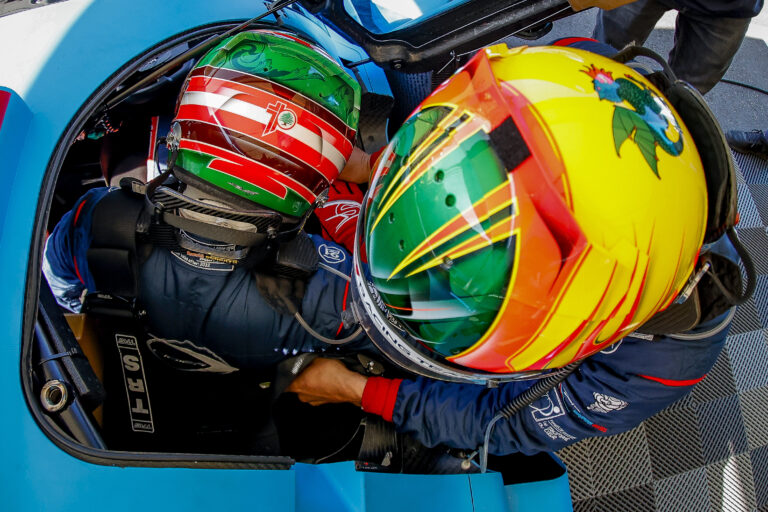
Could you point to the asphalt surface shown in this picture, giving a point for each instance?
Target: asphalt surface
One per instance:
(736, 107)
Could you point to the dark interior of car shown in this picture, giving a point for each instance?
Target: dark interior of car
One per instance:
(106, 396)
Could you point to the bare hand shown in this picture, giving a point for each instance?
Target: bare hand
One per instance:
(327, 381)
(358, 167)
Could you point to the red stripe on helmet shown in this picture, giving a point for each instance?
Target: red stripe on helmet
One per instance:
(255, 149)
(277, 139)
(261, 98)
(568, 41)
(275, 88)
(235, 165)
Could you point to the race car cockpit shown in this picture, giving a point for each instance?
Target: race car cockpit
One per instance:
(99, 377)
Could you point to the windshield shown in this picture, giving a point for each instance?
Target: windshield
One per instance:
(383, 16)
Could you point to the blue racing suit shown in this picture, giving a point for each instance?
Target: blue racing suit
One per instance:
(611, 392)
(209, 310)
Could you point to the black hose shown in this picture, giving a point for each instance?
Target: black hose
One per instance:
(746, 86)
(749, 267)
(193, 52)
(523, 400)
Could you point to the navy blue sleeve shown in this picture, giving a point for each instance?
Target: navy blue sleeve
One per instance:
(328, 295)
(65, 262)
(611, 392)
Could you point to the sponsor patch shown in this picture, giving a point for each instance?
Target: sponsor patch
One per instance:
(185, 355)
(606, 403)
(343, 211)
(576, 412)
(555, 431)
(202, 261)
(135, 384)
(547, 407)
(331, 254)
(545, 410)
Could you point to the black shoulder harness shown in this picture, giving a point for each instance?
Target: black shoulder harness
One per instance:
(113, 255)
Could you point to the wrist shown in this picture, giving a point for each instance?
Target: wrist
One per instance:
(355, 388)
(380, 395)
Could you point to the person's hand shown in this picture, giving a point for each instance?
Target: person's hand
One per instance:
(327, 381)
(358, 167)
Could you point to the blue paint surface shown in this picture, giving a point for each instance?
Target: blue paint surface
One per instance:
(35, 474)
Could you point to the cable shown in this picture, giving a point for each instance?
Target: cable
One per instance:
(749, 267)
(334, 271)
(701, 335)
(326, 457)
(516, 404)
(316, 334)
(322, 338)
(194, 52)
(742, 84)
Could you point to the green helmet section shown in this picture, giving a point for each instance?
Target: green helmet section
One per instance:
(267, 117)
(424, 238)
(294, 64)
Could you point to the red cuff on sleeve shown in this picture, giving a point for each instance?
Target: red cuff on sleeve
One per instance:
(379, 396)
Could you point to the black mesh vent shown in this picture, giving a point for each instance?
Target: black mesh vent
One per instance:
(509, 144)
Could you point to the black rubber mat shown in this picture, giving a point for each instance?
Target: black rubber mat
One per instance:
(709, 451)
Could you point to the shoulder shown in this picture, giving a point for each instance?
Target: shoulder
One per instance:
(330, 253)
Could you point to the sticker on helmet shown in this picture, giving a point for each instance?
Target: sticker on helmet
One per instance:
(286, 119)
(649, 123)
(282, 117)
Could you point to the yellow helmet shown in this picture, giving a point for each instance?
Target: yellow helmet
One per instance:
(574, 166)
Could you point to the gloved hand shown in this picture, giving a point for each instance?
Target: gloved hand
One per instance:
(338, 216)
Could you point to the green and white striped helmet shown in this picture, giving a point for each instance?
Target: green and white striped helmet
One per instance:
(268, 119)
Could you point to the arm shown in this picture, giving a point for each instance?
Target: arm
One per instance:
(65, 262)
(325, 300)
(610, 393)
(358, 167)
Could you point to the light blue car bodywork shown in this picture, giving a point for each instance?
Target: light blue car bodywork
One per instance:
(53, 59)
